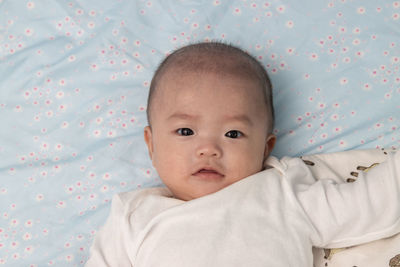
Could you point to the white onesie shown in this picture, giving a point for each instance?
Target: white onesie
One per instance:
(272, 218)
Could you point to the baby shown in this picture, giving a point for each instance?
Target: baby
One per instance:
(227, 202)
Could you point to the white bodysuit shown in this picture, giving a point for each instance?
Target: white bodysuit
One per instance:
(272, 218)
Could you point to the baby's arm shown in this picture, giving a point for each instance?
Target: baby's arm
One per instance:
(353, 213)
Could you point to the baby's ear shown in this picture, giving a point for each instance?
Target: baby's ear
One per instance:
(269, 145)
(148, 138)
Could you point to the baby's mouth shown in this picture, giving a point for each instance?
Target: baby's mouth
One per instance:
(208, 174)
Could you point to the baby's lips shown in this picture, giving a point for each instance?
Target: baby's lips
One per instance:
(208, 170)
(208, 174)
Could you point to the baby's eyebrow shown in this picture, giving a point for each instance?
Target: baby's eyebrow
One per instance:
(182, 116)
(239, 118)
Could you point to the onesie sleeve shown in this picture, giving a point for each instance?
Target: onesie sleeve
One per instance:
(108, 248)
(347, 214)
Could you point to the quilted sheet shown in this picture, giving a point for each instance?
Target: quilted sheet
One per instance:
(74, 77)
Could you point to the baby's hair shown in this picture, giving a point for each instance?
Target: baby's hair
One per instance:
(219, 58)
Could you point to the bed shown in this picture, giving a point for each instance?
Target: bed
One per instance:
(74, 77)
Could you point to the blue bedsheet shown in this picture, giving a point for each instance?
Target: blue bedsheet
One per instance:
(74, 77)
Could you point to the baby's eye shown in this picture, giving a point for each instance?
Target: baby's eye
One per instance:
(234, 134)
(185, 131)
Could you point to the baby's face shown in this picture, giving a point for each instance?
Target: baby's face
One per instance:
(207, 132)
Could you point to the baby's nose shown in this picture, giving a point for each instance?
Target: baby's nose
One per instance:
(209, 150)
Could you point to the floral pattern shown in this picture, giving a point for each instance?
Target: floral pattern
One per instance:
(73, 90)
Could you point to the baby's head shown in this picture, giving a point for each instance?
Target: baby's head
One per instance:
(210, 117)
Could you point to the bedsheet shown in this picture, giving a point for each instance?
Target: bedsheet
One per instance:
(74, 77)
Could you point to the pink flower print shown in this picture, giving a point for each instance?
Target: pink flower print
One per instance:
(106, 176)
(367, 86)
(195, 25)
(29, 32)
(29, 223)
(61, 204)
(139, 67)
(111, 133)
(91, 175)
(45, 146)
(343, 81)
(356, 41)
(360, 53)
(337, 129)
(323, 124)
(335, 117)
(237, 11)
(27, 94)
(18, 108)
(104, 188)
(39, 197)
(290, 50)
(342, 30)
(96, 107)
(69, 258)
(14, 244)
(94, 67)
(346, 59)
(281, 9)
(342, 143)
(91, 25)
(14, 222)
(29, 250)
(361, 10)
(27, 236)
(290, 24)
(30, 5)
(71, 58)
(64, 125)
(62, 107)
(70, 189)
